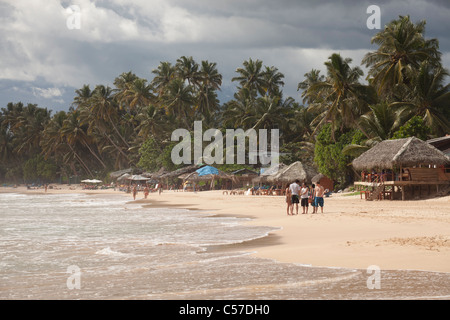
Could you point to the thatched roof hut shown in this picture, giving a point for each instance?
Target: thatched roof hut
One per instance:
(442, 143)
(400, 153)
(244, 173)
(125, 176)
(178, 172)
(264, 177)
(326, 182)
(156, 175)
(243, 176)
(117, 174)
(294, 171)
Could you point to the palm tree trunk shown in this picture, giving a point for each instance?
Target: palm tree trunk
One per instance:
(95, 155)
(115, 145)
(359, 127)
(86, 168)
(117, 131)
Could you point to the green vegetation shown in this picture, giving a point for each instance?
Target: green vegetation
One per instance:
(130, 124)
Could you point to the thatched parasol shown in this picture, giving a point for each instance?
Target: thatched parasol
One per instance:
(245, 173)
(137, 177)
(181, 171)
(155, 175)
(294, 171)
(400, 153)
(264, 177)
(125, 176)
(117, 174)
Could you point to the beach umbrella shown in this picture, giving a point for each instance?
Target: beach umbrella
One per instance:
(91, 181)
(124, 177)
(117, 174)
(206, 173)
(207, 170)
(137, 177)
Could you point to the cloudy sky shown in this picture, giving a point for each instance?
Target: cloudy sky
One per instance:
(45, 57)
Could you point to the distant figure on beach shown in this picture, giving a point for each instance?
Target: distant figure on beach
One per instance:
(295, 196)
(134, 192)
(288, 199)
(304, 195)
(46, 186)
(160, 188)
(146, 192)
(319, 197)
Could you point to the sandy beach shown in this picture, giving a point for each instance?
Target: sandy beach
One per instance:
(352, 233)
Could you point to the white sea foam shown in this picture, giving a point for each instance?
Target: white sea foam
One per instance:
(127, 251)
(108, 252)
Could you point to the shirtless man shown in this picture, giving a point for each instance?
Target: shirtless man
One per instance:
(318, 201)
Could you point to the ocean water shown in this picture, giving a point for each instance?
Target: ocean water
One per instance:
(77, 246)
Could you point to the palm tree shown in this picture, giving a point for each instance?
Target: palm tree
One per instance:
(271, 113)
(300, 127)
(122, 84)
(273, 80)
(53, 142)
(137, 94)
(251, 76)
(207, 102)
(163, 75)
(82, 96)
(103, 110)
(381, 122)
(178, 101)
(402, 47)
(428, 97)
(75, 137)
(6, 145)
(151, 122)
(311, 78)
(27, 128)
(238, 111)
(210, 76)
(187, 69)
(342, 98)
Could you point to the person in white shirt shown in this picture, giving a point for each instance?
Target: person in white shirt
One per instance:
(295, 195)
(304, 195)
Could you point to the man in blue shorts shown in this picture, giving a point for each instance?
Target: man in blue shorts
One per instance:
(318, 201)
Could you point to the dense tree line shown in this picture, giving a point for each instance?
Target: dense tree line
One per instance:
(340, 116)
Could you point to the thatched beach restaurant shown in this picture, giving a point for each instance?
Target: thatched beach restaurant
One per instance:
(296, 170)
(404, 169)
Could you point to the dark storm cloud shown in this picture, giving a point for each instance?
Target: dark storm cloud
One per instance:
(38, 51)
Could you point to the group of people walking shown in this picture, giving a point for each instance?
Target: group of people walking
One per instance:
(304, 195)
(146, 190)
